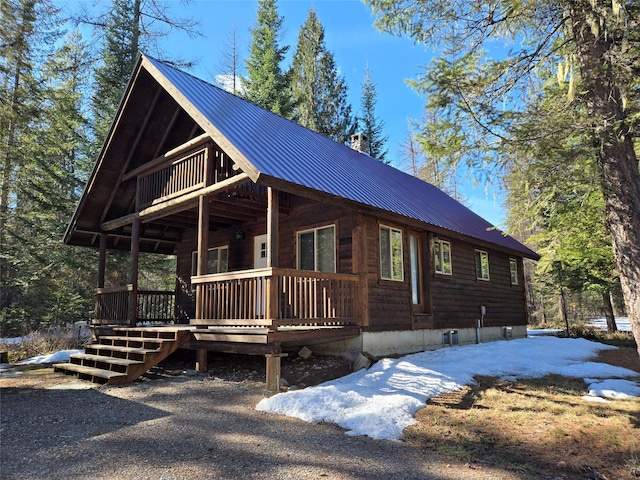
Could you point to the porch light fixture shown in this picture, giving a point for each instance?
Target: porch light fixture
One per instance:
(239, 235)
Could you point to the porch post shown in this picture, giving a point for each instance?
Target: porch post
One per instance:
(272, 307)
(203, 265)
(133, 273)
(102, 261)
(272, 227)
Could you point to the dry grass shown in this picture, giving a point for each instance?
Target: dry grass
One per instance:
(540, 428)
(42, 343)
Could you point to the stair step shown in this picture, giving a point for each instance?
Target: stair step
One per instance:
(94, 372)
(147, 342)
(116, 348)
(243, 330)
(104, 359)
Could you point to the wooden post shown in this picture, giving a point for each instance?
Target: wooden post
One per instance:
(272, 306)
(201, 360)
(102, 261)
(273, 371)
(202, 269)
(272, 227)
(203, 250)
(133, 273)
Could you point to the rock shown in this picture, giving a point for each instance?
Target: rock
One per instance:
(360, 362)
(305, 353)
(191, 373)
(283, 382)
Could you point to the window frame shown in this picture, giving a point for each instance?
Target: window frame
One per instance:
(513, 270)
(194, 260)
(315, 249)
(392, 277)
(440, 256)
(479, 256)
(415, 270)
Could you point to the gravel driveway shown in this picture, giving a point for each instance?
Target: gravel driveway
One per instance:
(188, 428)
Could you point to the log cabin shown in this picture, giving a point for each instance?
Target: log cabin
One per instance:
(282, 237)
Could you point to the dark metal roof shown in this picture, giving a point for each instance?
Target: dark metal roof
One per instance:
(281, 149)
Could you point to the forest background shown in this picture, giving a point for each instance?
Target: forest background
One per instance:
(519, 120)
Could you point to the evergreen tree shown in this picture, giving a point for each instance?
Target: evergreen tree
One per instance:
(25, 34)
(266, 84)
(595, 47)
(319, 93)
(372, 126)
(118, 52)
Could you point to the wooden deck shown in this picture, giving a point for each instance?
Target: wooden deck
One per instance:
(129, 352)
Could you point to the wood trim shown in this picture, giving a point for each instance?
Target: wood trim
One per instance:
(173, 205)
(145, 122)
(238, 157)
(167, 157)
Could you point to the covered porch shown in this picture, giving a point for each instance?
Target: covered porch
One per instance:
(264, 311)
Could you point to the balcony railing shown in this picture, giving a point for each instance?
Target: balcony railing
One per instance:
(276, 297)
(113, 306)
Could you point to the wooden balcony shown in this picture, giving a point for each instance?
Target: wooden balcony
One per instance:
(276, 298)
(114, 306)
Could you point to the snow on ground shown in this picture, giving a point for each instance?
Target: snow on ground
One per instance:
(623, 324)
(381, 401)
(57, 357)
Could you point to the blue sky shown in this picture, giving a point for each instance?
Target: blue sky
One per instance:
(354, 42)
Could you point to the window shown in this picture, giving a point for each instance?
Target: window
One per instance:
(513, 269)
(317, 249)
(442, 254)
(482, 265)
(416, 270)
(218, 261)
(391, 254)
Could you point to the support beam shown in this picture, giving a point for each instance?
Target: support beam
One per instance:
(171, 206)
(102, 261)
(272, 227)
(133, 273)
(273, 371)
(201, 360)
(203, 249)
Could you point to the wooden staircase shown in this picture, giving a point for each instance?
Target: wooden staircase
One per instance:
(124, 356)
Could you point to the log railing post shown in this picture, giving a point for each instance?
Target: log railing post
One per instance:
(203, 266)
(133, 274)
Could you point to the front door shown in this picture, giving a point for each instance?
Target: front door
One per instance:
(260, 251)
(260, 261)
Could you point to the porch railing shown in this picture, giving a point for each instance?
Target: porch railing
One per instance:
(276, 297)
(113, 306)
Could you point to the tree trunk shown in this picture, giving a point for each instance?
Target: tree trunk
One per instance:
(614, 149)
(608, 312)
(563, 309)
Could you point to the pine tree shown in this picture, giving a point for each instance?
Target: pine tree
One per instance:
(25, 32)
(266, 84)
(119, 48)
(593, 46)
(372, 126)
(319, 93)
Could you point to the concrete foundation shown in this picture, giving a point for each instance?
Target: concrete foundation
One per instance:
(399, 342)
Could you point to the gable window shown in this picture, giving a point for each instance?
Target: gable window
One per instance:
(513, 269)
(482, 265)
(442, 254)
(317, 249)
(218, 260)
(391, 254)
